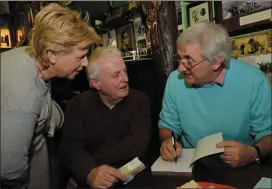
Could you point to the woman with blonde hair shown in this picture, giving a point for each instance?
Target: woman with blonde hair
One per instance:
(58, 47)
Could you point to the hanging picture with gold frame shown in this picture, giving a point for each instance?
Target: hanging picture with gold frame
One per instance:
(5, 41)
(125, 38)
(253, 45)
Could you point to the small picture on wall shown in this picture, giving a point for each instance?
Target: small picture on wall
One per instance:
(199, 13)
(142, 44)
(238, 8)
(269, 41)
(125, 37)
(142, 47)
(234, 46)
(4, 7)
(253, 45)
(139, 29)
(5, 41)
(179, 12)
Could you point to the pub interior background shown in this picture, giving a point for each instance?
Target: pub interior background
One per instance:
(151, 28)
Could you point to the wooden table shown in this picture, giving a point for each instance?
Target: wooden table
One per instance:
(245, 177)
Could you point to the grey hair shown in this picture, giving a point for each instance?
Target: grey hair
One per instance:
(94, 61)
(213, 38)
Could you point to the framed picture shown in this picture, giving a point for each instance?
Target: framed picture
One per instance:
(199, 12)
(4, 7)
(5, 41)
(139, 29)
(235, 15)
(253, 45)
(234, 47)
(179, 12)
(125, 38)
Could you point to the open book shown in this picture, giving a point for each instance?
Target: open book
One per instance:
(205, 147)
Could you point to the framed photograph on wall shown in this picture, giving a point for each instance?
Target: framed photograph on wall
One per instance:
(199, 12)
(179, 12)
(235, 15)
(125, 38)
(253, 45)
(5, 41)
(4, 7)
(139, 29)
(234, 47)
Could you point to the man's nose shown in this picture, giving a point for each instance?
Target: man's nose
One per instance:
(125, 77)
(181, 68)
(84, 61)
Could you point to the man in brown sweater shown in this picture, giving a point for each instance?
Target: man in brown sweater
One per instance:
(105, 125)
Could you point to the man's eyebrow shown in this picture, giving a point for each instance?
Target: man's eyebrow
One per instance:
(116, 72)
(83, 56)
(187, 56)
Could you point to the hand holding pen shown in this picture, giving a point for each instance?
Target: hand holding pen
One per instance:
(170, 148)
(174, 143)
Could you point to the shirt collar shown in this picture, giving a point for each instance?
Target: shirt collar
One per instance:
(220, 79)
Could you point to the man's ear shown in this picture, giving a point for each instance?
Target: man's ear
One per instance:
(52, 57)
(95, 84)
(217, 63)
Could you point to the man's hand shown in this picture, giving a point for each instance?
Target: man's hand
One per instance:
(104, 177)
(168, 152)
(236, 154)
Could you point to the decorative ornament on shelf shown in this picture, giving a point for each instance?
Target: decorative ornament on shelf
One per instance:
(98, 26)
(150, 9)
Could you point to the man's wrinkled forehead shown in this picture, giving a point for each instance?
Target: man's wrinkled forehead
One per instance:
(113, 63)
(189, 49)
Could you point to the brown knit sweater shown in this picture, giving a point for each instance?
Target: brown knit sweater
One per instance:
(94, 135)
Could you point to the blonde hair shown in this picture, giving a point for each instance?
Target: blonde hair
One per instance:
(213, 38)
(92, 70)
(59, 30)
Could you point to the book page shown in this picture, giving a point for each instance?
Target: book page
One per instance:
(207, 146)
(264, 183)
(182, 165)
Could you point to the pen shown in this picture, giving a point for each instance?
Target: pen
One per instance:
(174, 143)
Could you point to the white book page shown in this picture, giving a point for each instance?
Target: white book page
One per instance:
(182, 165)
(207, 146)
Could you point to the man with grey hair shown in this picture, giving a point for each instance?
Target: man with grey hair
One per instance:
(210, 93)
(106, 125)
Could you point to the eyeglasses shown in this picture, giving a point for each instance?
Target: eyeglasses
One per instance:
(187, 61)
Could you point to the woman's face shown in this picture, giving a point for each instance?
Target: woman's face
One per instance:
(126, 39)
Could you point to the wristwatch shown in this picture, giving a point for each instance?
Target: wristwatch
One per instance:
(259, 154)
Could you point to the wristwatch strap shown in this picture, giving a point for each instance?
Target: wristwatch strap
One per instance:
(259, 154)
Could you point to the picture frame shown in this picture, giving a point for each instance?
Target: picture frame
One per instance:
(5, 39)
(142, 47)
(200, 11)
(240, 15)
(234, 48)
(139, 29)
(253, 44)
(125, 39)
(4, 7)
(179, 12)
